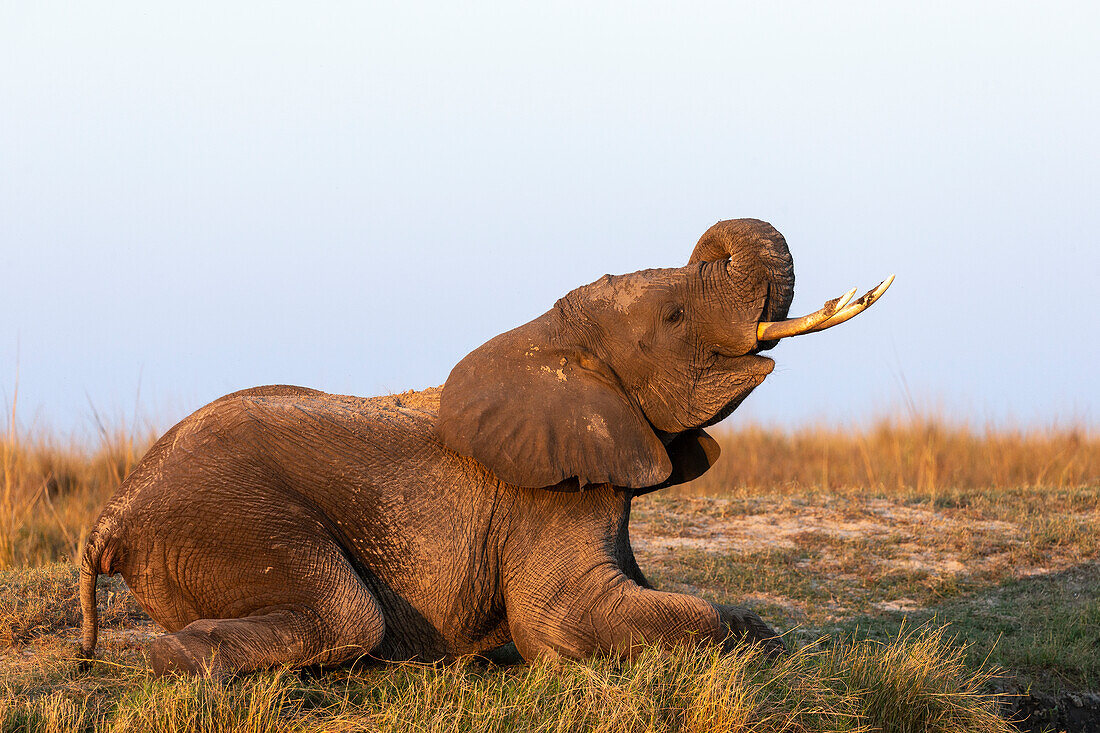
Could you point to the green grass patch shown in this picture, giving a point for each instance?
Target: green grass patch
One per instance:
(1045, 628)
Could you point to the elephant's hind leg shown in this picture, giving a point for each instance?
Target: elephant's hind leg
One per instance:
(340, 622)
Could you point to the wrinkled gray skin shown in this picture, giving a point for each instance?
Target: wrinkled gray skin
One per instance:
(282, 525)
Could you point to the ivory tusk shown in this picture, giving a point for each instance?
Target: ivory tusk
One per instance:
(773, 330)
(855, 308)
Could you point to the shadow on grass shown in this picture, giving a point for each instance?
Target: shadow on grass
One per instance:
(1042, 630)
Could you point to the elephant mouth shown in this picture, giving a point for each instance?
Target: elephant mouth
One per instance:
(763, 365)
(750, 366)
(744, 374)
(752, 377)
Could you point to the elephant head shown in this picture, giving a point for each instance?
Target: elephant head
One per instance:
(615, 383)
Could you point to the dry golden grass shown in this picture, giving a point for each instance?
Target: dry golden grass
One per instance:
(925, 455)
(52, 491)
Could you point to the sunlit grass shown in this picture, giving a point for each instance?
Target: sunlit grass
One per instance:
(54, 490)
(923, 457)
(918, 682)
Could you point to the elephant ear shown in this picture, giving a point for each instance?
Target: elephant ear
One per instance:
(539, 413)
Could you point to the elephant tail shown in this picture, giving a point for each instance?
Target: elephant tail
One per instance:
(97, 560)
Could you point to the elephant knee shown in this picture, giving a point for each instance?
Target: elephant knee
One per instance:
(357, 640)
(539, 634)
(534, 640)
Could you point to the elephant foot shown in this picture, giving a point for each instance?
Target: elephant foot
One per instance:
(745, 627)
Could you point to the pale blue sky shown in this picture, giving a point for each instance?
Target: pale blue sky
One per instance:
(352, 196)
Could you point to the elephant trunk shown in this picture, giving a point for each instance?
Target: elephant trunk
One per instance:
(758, 253)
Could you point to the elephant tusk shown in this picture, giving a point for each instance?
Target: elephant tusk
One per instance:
(864, 302)
(773, 330)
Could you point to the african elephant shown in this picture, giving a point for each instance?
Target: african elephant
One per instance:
(286, 526)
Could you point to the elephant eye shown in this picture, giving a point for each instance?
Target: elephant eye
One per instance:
(675, 315)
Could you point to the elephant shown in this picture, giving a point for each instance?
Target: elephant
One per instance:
(284, 526)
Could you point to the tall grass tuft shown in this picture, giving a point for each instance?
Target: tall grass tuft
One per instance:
(53, 713)
(917, 683)
(52, 491)
(265, 703)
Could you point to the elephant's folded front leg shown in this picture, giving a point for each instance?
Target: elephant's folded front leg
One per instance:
(623, 618)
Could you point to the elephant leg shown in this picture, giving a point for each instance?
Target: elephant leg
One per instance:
(623, 617)
(339, 623)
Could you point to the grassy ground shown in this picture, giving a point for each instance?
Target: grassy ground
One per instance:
(905, 561)
(1017, 575)
(917, 682)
